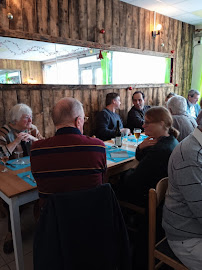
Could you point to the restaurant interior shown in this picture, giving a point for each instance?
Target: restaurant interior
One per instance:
(86, 49)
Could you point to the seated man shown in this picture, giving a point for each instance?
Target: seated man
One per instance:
(106, 121)
(183, 122)
(182, 213)
(137, 112)
(17, 135)
(69, 160)
(192, 106)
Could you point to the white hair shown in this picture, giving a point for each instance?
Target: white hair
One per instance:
(17, 111)
(177, 105)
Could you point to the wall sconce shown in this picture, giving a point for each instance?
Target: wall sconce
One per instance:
(157, 31)
(157, 28)
(31, 81)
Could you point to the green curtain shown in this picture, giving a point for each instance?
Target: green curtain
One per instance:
(197, 69)
(168, 67)
(106, 68)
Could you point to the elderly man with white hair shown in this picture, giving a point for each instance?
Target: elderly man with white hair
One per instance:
(17, 135)
(183, 122)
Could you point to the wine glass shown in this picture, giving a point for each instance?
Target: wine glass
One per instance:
(4, 158)
(137, 133)
(19, 161)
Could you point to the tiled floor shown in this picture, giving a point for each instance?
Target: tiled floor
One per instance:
(7, 262)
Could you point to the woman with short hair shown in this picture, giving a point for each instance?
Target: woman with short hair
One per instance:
(153, 155)
(19, 133)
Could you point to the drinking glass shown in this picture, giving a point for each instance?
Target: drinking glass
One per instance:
(19, 161)
(137, 133)
(4, 158)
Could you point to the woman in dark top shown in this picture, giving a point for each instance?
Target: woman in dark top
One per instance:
(153, 155)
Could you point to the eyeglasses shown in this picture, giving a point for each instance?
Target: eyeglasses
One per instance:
(85, 118)
(147, 123)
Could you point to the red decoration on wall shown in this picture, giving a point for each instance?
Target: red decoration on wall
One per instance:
(100, 55)
(102, 31)
(172, 51)
(176, 84)
(130, 88)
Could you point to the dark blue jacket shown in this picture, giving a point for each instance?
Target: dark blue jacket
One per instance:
(82, 230)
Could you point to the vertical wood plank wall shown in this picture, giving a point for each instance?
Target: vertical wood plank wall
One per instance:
(41, 98)
(125, 25)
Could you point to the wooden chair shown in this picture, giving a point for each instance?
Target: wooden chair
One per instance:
(161, 250)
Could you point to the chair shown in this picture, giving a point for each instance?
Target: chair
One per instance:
(161, 250)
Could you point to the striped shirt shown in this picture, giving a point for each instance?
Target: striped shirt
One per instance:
(182, 213)
(68, 161)
(8, 135)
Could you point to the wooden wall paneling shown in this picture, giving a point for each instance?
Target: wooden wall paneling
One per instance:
(165, 30)
(29, 16)
(2, 109)
(152, 40)
(15, 7)
(186, 59)
(183, 58)
(91, 20)
(191, 36)
(135, 26)
(157, 46)
(63, 18)
(78, 94)
(86, 100)
(94, 109)
(129, 26)
(9, 98)
(123, 107)
(171, 34)
(83, 19)
(175, 30)
(4, 22)
(68, 93)
(154, 96)
(58, 94)
(160, 94)
(73, 19)
(47, 103)
(42, 12)
(149, 100)
(148, 34)
(100, 21)
(122, 23)
(53, 29)
(115, 22)
(108, 22)
(23, 96)
(37, 109)
(141, 33)
(178, 62)
(161, 40)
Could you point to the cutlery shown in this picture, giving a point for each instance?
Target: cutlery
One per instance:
(9, 164)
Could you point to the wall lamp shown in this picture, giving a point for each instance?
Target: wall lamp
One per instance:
(157, 31)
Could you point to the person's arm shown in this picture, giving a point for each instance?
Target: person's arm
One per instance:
(102, 127)
(135, 120)
(190, 185)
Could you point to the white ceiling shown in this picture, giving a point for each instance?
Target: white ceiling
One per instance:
(189, 11)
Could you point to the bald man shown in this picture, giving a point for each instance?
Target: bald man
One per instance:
(69, 160)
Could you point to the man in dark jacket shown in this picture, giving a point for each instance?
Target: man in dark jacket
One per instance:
(136, 114)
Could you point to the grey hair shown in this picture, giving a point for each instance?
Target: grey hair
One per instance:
(17, 111)
(66, 111)
(177, 105)
(192, 92)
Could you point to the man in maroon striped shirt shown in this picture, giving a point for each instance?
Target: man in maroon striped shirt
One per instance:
(69, 160)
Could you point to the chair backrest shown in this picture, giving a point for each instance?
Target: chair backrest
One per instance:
(156, 196)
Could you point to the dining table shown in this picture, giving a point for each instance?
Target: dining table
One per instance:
(18, 187)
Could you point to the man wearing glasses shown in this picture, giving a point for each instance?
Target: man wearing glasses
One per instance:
(69, 160)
